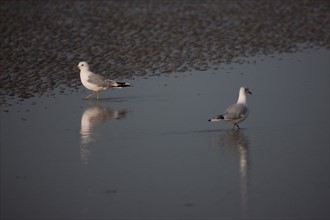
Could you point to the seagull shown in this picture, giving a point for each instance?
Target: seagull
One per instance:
(96, 82)
(236, 113)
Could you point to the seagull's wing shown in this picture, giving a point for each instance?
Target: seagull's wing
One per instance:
(235, 112)
(96, 79)
(111, 83)
(100, 81)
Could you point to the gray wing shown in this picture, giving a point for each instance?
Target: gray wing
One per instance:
(111, 83)
(97, 80)
(236, 111)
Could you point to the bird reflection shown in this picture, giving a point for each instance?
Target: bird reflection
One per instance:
(236, 141)
(90, 119)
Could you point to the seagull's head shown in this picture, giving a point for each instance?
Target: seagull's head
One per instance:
(83, 65)
(246, 90)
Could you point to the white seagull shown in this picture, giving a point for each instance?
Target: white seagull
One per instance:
(96, 82)
(236, 113)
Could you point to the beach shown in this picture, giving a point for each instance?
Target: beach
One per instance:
(148, 151)
(43, 42)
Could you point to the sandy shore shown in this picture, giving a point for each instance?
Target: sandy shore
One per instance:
(42, 41)
(149, 152)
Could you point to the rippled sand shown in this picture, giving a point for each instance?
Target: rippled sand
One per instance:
(42, 41)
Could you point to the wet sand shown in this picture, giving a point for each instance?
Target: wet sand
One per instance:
(42, 41)
(148, 152)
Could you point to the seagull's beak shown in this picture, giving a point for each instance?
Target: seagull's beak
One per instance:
(250, 92)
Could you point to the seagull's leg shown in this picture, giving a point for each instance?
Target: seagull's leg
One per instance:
(237, 126)
(97, 95)
(87, 97)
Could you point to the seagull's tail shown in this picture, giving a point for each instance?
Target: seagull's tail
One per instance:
(114, 84)
(216, 118)
(123, 84)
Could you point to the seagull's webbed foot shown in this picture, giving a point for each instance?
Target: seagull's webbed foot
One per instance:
(237, 126)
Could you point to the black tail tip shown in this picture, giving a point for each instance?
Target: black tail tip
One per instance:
(123, 84)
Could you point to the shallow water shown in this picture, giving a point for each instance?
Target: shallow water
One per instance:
(149, 151)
